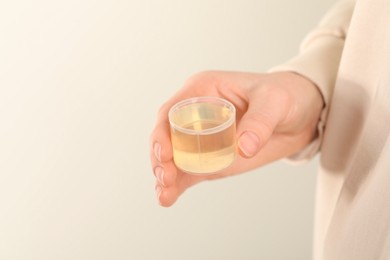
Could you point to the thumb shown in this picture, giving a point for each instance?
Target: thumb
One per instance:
(265, 112)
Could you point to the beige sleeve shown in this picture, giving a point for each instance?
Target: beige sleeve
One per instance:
(319, 59)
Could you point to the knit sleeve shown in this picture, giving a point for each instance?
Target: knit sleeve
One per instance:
(318, 60)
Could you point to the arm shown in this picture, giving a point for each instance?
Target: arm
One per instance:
(319, 59)
(277, 113)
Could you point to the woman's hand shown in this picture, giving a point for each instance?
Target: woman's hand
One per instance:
(277, 116)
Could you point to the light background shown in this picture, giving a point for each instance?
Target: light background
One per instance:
(80, 85)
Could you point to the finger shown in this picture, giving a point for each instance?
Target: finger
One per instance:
(160, 142)
(267, 108)
(161, 155)
(165, 173)
(168, 195)
(160, 138)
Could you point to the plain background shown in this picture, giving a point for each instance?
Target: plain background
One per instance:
(80, 85)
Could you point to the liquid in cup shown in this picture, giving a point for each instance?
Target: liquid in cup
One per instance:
(203, 134)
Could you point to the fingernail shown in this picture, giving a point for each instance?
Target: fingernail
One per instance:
(159, 172)
(249, 143)
(158, 192)
(157, 151)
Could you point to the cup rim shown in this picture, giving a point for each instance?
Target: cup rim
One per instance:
(203, 99)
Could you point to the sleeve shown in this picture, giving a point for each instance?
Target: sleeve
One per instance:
(318, 60)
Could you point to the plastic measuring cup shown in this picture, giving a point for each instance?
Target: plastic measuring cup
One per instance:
(203, 134)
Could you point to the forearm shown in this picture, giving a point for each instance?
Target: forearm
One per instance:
(318, 61)
(320, 52)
